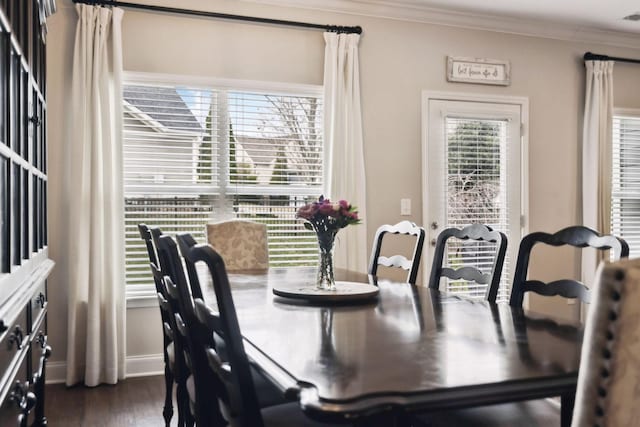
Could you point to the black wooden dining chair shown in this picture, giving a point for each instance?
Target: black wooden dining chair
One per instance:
(179, 367)
(231, 368)
(202, 395)
(400, 261)
(268, 394)
(523, 413)
(576, 236)
(167, 334)
(481, 234)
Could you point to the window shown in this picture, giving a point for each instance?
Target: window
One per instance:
(473, 173)
(194, 155)
(625, 192)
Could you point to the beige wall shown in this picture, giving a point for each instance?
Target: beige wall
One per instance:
(398, 61)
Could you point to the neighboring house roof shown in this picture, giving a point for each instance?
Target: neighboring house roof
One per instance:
(164, 105)
(260, 149)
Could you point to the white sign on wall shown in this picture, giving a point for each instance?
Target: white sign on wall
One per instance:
(478, 70)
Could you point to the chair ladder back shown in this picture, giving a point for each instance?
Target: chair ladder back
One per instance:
(145, 234)
(166, 307)
(400, 261)
(243, 401)
(210, 322)
(207, 392)
(168, 249)
(186, 242)
(478, 233)
(576, 236)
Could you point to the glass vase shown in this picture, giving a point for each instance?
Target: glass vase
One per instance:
(326, 237)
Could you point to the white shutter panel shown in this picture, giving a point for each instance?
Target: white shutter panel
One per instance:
(625, 204)
(475, 192)
(275, 167)
(189, 153)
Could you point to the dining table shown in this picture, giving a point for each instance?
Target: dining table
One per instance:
(409, 349)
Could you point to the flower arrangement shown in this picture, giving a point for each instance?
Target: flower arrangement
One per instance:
(337, 215)
(326, 219)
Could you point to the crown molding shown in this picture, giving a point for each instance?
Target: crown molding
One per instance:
(413, 11)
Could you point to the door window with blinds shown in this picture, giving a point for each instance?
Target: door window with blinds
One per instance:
(625, 191)
(473, 176)
(195, 155)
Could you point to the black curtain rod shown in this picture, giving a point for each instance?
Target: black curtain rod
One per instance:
(595, 57)
(331, 28)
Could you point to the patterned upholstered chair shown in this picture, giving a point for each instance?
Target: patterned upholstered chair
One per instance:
(242, 244)
(608, 393)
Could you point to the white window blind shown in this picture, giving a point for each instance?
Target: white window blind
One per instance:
(625, 203)
(198, 155)
(476, 183)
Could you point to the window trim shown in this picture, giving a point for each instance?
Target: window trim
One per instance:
(257, 86)
(632, 113)
(143, 296)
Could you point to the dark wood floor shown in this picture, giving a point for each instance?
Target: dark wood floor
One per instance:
(138, 402)
(133, 402)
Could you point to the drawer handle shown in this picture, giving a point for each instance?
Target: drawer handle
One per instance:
(16, 337)
(41, 300)
(41, 339)
(35, 120)
(21, 395)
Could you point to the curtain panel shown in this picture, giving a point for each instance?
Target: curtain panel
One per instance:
(344, 153)
(596, 157)
(93, 186)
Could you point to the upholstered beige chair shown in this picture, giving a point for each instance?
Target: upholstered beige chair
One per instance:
(241, 243)
(608, 392)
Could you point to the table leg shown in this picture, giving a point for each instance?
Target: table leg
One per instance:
(566, 409)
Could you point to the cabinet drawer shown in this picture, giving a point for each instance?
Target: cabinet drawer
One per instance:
(10, 409)
(13, 342)
(38, 304)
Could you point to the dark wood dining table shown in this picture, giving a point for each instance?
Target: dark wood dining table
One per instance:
(410, 349)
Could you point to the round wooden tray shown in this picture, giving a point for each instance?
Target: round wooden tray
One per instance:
(345, 291)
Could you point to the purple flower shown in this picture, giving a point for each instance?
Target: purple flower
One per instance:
(327, 215)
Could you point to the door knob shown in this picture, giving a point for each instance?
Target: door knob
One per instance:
(433, 242)
(434, 225)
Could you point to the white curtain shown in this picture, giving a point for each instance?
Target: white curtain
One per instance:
(96, 318)
(596, 157)
(344, 157)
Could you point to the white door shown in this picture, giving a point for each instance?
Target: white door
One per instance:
(473, 174)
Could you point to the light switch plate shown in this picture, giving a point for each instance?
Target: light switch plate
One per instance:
(405, 207)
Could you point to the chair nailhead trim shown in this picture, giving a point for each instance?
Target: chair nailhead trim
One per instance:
(609, 335)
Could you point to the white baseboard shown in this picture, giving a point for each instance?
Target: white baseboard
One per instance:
(56, 372)
(136, 366)
(144, 366)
